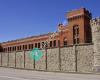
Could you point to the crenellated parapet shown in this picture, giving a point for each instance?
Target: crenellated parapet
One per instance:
(95, 21)
(95, 25)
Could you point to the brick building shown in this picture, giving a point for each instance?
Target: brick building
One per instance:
(77, 31)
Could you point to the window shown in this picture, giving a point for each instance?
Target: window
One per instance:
(65, 41)
(77, 40)
(35, 45)
(8, 49)
(4, 49)
(46, 44)
(54, 43)
(30, 46)
(12, 48)
(43, 45)
(74, 41)
(25, 47)
(76, 34)
(20, 47)
(76, 30)
(50, 43)
(38, 45)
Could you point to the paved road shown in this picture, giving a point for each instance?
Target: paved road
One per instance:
(16, 74)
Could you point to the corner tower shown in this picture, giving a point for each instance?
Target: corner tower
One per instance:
(95, 24)
(79, 25)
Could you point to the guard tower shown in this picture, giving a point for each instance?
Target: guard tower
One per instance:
(95, 24)
(79, 24)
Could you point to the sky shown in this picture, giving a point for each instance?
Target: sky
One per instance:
(24, 18)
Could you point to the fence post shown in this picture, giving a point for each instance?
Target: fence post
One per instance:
(59, 55)
(46, 58)
(24, 59)
(34, 62)
(8, 60)
(1, 59)
(15, 59)
(75, 57)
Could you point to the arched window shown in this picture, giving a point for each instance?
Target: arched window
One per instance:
(76, 34)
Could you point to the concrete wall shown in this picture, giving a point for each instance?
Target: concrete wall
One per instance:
(78, 58)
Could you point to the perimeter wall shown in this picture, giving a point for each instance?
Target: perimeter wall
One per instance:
(67, 59)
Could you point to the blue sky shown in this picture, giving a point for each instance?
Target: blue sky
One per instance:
(23, 18)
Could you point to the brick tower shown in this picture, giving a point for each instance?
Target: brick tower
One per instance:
(79, 24)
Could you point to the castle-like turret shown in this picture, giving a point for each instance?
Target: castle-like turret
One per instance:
(95, 24)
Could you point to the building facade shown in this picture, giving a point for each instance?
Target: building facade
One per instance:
(77, 31)
(81, 36)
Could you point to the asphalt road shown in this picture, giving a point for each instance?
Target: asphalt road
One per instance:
(17, 74)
